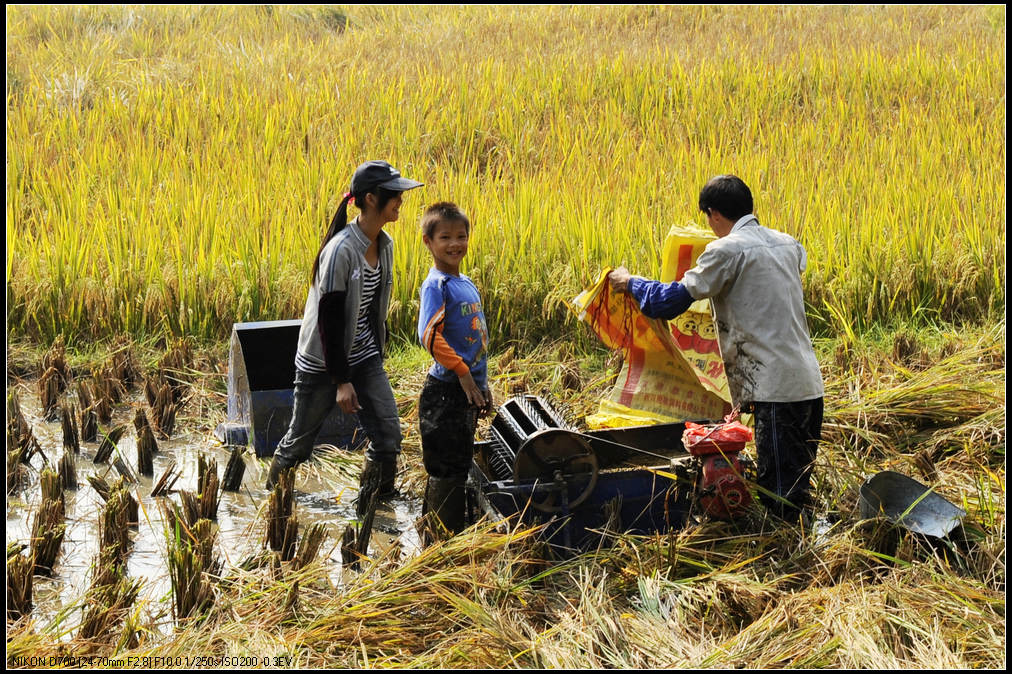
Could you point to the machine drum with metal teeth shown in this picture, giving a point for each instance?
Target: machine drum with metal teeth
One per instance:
(530, 442)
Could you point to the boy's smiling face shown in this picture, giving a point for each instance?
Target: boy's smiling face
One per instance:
(448, 245)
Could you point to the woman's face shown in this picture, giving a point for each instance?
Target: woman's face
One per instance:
(392, 210)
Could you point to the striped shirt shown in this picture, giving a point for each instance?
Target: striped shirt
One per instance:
(338, 285)
(364, 346)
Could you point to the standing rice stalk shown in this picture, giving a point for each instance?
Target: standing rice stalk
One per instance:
(107, 385)
(124, 469)
(68, 424)
(146, 444)
(190, 505)
(165, 482)
(205, 534)
(191, 593)
(68, 471)
(203, 504)
(89, 418)
(284, 537)
(152, 385)
(208, 486)
(108, 599)
(20, 571)
(106, 607)
(355, 540)
(103, 409)
(145, 457)
(234, 470)
(108, 444)
(309, 545)
(19, 431)
(49, 394)
(48, 528)
(89, 425)
(100, 485)
(193, 565)
(282, 522)
(21, 443)
(56, 359)
(176, 367)
(123, 364)
(15, 469)
(163, 411)
(349, 549)
(119, 517)
(84, 394)
(51, 488)
(102, 392)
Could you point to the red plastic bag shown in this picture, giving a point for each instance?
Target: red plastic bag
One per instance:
(729, 437)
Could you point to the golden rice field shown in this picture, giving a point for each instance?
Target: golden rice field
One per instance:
(171, 169)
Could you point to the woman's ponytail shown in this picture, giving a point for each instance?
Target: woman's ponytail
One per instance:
(339, 222)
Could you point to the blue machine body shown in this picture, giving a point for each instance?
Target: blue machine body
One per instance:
(634, 492)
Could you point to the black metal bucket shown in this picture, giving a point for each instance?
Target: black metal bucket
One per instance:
(261, 390)
(908, 503)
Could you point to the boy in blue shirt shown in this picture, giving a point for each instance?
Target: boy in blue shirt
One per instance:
(451, 326)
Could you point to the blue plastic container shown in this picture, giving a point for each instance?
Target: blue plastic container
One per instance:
(261, 390)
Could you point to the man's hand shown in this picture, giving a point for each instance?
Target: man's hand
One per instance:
(347, 399)
(619, 279)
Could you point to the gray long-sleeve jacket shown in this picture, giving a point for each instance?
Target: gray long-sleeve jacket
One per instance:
(329, 320)
(753, 278)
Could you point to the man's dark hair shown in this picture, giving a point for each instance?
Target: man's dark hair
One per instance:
(728, 195)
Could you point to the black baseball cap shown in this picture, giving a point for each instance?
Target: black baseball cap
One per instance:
(373, 174)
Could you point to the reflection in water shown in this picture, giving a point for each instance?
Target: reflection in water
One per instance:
(322, 495)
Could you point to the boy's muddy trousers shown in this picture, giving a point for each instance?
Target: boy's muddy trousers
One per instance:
(446, 500)
(446, 423)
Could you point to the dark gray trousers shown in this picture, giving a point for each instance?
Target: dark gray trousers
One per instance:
(315, 397)
(787, 439)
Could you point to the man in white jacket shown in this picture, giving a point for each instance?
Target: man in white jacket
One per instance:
(752, 275)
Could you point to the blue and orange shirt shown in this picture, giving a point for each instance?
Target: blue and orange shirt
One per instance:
(451, 326)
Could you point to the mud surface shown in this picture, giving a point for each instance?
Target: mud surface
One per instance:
(325, 492)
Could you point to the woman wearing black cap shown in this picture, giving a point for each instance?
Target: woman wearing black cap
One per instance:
(340, 354)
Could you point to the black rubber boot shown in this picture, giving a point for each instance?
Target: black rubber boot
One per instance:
(444, 506)
(388, 473)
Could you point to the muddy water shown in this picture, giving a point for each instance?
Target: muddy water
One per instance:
(325, 496)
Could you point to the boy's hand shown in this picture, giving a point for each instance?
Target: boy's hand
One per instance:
(487, 408)
(474, 395)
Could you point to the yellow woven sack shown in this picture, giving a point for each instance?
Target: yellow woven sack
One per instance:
(671, 371)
